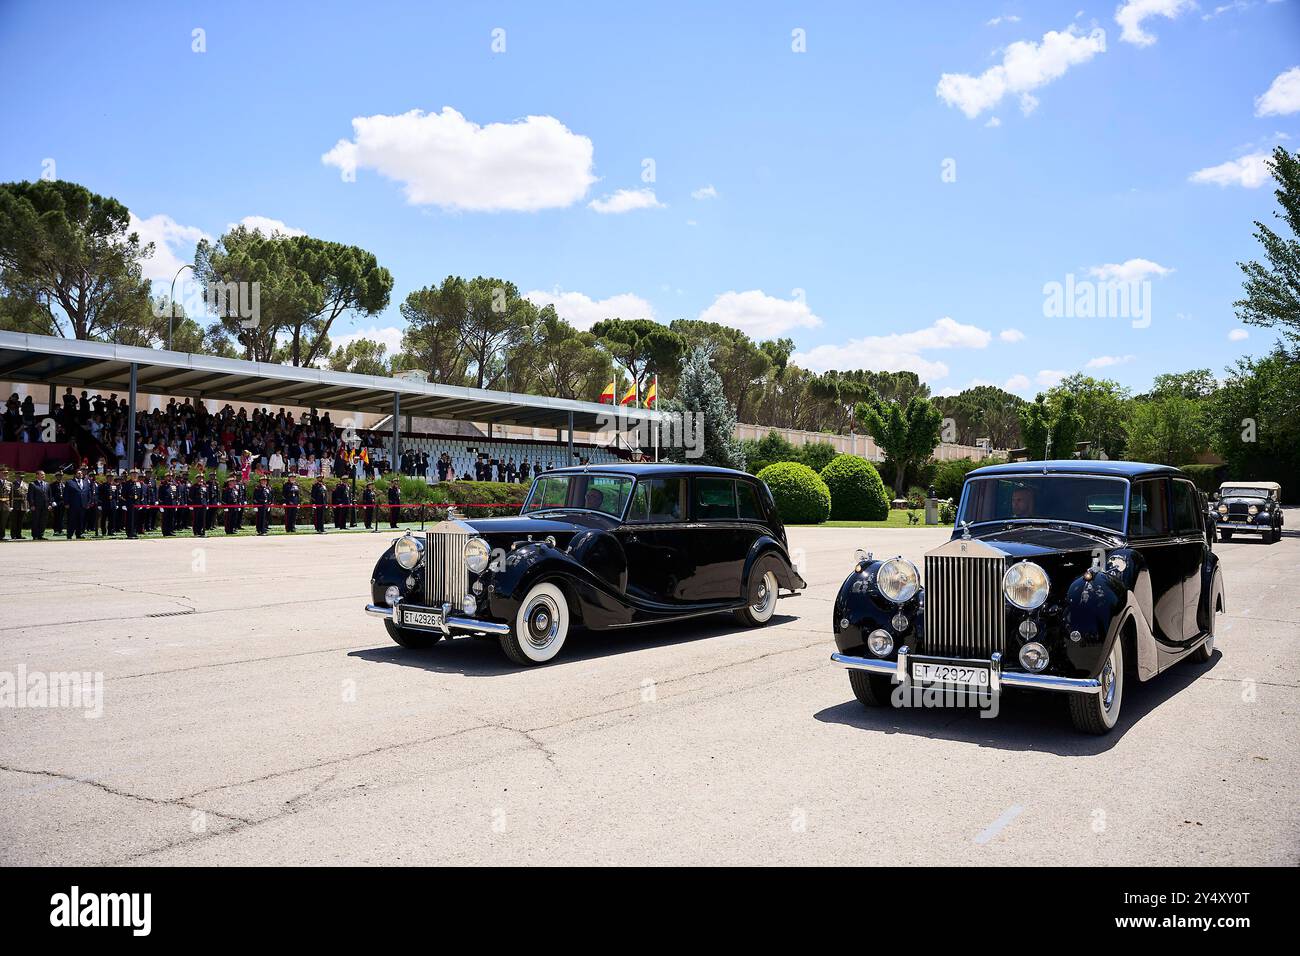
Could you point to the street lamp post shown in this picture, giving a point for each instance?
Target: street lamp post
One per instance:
(171, 302)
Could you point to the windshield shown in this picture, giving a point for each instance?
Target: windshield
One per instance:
(604, 493)
(1244, 492)
(1082, 500)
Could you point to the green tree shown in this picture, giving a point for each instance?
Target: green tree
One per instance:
(906, 433)
(1102, 406)
(70, 261)
(1272, 297)
(1168, 430)
(1199, 383)
(984, 411)
(699, 391)
(562, 361)
(362, 356)
(1060, 421)
(768, 450)
(1254, 420)
(643, 347)
(742, 364)
(435, 316)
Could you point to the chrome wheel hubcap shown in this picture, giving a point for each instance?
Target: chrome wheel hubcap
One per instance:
(543, 622)
(766, 594)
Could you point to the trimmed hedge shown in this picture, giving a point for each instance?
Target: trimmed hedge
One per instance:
(857, 492)
(800, 494)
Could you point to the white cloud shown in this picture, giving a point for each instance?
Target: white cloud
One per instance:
(389, 336)
(1238, 335)
(173, 247)
(266, 226)
(1281, 98)
(1050, 376)
(443, 159)
(705, 192)
(1017, 383)
(760, 315)
(1025, 66)
(1132, 13)
(582, 311)
(1131, 270)
(1011, 335)
(626, 200)
(897, 352)
(993, 122)
(1250, 172)
(1106, 361)
(1009, 18)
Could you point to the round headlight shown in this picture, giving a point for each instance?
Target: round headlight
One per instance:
(407, 551)
(469, 605)
(391, 594)
(1033, 656)
(1252, 510)
(880, 643)
(1223, 509)
(898, 580)
(477, 554)
(1025, 585)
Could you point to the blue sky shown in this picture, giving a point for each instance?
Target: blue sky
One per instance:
(1121, 140)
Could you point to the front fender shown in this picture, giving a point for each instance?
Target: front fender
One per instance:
(592, 572)
(860, 608)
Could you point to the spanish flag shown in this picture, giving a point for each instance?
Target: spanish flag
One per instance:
(630, 397)
(651, 394)
(608, 394)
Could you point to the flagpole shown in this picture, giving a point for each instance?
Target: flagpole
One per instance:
(654, 423)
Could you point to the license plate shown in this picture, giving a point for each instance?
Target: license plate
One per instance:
(430, 619)
(963, 674)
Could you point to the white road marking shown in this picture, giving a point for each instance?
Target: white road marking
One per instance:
(996, 827)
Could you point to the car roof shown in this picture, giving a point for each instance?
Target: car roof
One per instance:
(648, 468)
(1075, 466)
(1269, 485)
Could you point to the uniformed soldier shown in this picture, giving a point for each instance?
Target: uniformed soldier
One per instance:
(230, 498)
(110, 504)
(92, 503)
(6, 493)
(149, 513)
(341, 499)
(368, 500)
(241, 499)
(56, 504)
(75, 493)
(166, 499)
(262, 498)
(319, 499)
(131, 504)
(394, 502)
(198, 515)
(182, 519)
(38, 504)
(292, 498)
(214, 499)
(17, 506)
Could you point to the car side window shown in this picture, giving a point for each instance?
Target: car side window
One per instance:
(1187, 512)
(1148, 512)
(747, 501)
(715, 499)
(639, 509)
(658, 500)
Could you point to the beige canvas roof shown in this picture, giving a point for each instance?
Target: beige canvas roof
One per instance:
(1269, 485)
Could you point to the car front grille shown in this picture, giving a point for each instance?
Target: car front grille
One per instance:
(1236, 510)
(964, 614)
(446, 579)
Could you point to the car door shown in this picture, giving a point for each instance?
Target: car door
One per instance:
(719, 540)
(653, 534)
(1189, 536)
(1149, 533)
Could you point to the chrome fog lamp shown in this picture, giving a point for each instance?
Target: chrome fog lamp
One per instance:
(880, 643)
(898, 580)
(469, 605)
(407, 551)
(1025, 584)
(1252, 510)
(1033, 657)
(1028, 630)
(392, 594)
(1223, 509)
(899, 621)
(477, 554)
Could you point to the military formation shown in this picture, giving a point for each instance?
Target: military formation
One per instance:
(140, 502)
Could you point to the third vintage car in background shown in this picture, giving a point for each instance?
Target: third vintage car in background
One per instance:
(1249, 507)
(608, 548)
(1060, 575)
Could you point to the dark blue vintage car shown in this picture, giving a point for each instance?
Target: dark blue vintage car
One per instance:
(604, 547)
(1068, 576)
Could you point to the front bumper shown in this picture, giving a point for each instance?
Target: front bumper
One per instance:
(997, 677)
(449, 623)
(1243, 526)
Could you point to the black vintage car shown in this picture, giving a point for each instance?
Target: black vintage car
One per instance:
(1249, 507)
(1061, 575)
(604, 547)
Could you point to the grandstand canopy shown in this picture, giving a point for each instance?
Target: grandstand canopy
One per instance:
(105, 367)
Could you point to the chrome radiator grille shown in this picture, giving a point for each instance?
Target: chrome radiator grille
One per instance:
(964, 614)
(445, 576)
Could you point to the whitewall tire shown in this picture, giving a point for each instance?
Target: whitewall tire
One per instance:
(540, 626)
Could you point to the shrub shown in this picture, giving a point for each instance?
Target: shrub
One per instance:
(801, 496)
(947, 513)
(1206, 477)
(767, 450)
(857, 493)
(817, 455)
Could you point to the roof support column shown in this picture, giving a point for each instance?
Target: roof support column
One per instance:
(394, 457)
(130, 419)
(570, 438)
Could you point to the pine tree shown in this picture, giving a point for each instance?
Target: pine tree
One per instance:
(699, 390)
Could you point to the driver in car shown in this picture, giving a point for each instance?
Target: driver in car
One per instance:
(1022, 502)
(595, 500)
